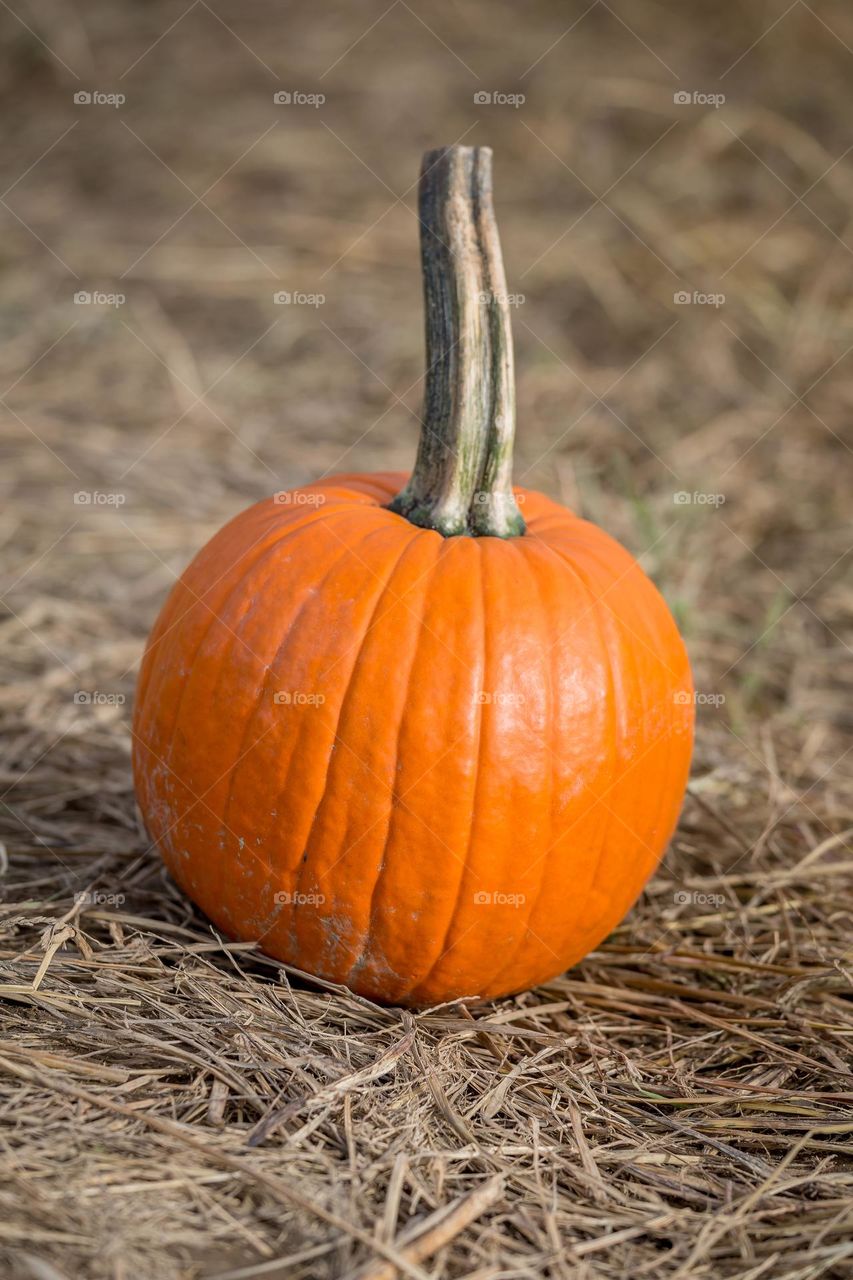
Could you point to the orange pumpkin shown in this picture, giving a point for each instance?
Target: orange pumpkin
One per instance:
(416, 744)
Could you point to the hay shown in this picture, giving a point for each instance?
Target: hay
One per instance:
(679, 1105)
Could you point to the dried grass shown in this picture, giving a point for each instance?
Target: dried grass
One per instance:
(680, 1104)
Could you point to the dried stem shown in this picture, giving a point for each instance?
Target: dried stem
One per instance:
(462, 481)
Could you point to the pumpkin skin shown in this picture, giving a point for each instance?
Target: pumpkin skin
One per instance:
(424, 767)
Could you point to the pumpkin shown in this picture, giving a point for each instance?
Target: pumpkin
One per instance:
(426, 737)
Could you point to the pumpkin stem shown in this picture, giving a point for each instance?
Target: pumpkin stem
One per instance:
(462, 480)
